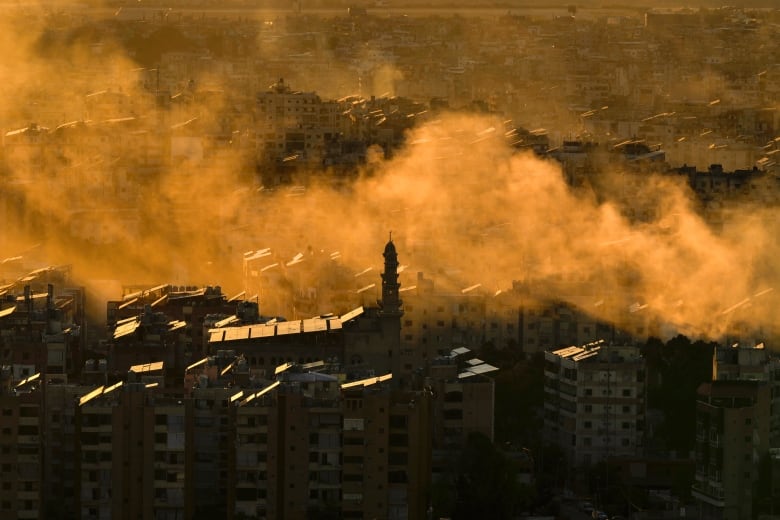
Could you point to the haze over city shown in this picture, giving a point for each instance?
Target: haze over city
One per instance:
(454, 193)
(534, 183)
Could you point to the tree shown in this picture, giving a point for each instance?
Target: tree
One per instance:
(486, 484)
(676, 369)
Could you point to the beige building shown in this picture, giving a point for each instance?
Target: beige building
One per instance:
(292, 125)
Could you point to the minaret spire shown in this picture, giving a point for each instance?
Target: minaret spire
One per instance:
(391, 303)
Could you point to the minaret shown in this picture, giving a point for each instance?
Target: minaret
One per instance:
(391, 302)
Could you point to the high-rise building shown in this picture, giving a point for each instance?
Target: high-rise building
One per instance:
(288, 437)
(751, 363)
(732, 436)
(595, 402)
(21, 449)
(736, 424)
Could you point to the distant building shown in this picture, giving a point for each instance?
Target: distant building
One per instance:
(436, 320)
(293, 127)
(149, 338)
(199, 307)
(41, 322)
(366, 338)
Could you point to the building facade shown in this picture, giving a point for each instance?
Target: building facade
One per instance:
(595, 402)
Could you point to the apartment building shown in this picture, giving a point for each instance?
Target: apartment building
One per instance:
(40, 325)
(732, 436)
(235, 437)
(595, 402)
(435, 320)
(298, 446)
(114, 435)
(386, 451)
(21, 447)
(521, 317)
(737, 425)
(752, 363)
(199, 307)
(363, 338)
(463, 403)
(60, 478)
(294, 125)
(150, 337)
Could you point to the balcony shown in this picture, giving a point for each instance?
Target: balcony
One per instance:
(707, 497)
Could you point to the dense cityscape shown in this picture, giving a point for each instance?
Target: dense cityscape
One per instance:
(389, 261)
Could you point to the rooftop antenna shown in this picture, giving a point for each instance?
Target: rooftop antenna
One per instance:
(391, 236)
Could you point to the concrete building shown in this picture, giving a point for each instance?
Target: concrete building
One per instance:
(595, 402)
(21, 447)
(114, 439)
(732, 436)
(387, 451)
(293, 126)
(299, 445)
(436, 320)
(200, 308)
(366, 338)
(60, 455)
(738, 362)
(737, 425)
(40, 325)
(148, 338)
(463, 403)
(236, 437)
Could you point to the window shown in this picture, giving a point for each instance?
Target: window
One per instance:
(398, 421)
(626, 392)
